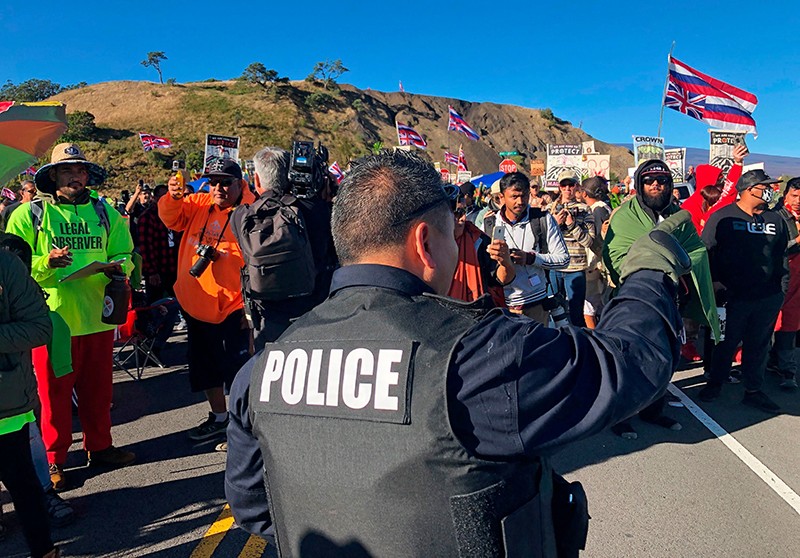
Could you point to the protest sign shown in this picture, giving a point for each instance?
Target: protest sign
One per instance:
(754, 166)
(537, 167)
(561, 157)
(220, 147)
(464, 176)
(588, 147)
(720, 151)
(647, 147)
(596, 165)
(676, 161)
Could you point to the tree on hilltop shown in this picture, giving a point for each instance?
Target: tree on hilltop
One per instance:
(258, 74)
(327, 72)
(31, 90)
(154, 61)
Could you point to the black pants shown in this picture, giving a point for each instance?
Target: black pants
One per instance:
(750, 322)
(19, 477)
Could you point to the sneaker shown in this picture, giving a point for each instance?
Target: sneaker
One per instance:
(624, 430)
(664, 422)
(222, 447)
(788, 384)
(61, 513)
(710, 392)
(209, 428)
(111, 457)
(58, 477)
(759, 400)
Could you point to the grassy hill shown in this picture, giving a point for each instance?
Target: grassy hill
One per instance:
(348, 121)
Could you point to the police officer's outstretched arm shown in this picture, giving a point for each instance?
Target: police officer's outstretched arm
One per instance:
(564, 385)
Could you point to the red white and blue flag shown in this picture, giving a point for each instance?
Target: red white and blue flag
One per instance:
(31, 170)
(705, 98)
(150, 142)
(406, 135)
(458, 124)
(336, 171)
(462, 161)
(450, 158)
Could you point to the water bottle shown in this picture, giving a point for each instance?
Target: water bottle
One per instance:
(116, 300)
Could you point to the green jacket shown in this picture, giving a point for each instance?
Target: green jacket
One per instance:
(24, 324)
(629, 222)
(79, 302)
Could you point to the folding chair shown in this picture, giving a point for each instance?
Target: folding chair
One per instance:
(136, 336)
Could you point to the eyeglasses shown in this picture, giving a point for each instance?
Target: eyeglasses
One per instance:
(662, 180)
(567, 185)
(222, 182)
(29, 191)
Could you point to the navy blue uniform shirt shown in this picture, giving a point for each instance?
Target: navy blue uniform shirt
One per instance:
(515, 387)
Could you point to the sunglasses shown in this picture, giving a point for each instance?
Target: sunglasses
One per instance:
(649, 180)
(568, 185)
(223, 182)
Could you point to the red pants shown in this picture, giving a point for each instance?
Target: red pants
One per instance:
(91, 377)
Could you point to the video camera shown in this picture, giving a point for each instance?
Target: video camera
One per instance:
(308, 170)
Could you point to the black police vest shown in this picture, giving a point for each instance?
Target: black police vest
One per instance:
(360, 459)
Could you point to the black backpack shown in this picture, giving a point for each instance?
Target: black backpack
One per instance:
(273, 237)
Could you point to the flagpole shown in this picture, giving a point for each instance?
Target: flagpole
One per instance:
(664, 95)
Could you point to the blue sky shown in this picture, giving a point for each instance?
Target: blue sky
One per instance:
(599, 64)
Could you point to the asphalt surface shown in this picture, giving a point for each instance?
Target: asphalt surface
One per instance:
(665, 494)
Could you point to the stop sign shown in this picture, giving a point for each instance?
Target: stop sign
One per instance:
(445, 175)
(508, 165)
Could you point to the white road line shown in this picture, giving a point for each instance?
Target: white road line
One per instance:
(772, 480)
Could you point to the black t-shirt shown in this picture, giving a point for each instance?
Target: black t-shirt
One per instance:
(747, 252)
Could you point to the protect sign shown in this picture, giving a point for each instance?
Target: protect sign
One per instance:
(362, 380)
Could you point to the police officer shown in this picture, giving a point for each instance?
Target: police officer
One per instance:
(394, 421)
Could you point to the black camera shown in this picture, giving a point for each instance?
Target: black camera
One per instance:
(308, 171)
(207, 255)
(178, 164)
(557, 306)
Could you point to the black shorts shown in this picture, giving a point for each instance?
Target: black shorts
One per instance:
(216, 351)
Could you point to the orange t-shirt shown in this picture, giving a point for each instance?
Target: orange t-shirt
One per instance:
(217, 293)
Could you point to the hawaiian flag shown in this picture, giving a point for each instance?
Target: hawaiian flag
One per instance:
(150, 142)
(406, 135)
(31, 170)
(462, 161)
(450, 158)
(705, 98)
(459, 125)
(336, 171)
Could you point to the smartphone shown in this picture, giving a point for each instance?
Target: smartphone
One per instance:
(499, 233)
(740, 141)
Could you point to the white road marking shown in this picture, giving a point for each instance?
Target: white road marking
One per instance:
(772, 480)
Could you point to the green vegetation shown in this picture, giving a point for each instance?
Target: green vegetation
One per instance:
(34, 90)
(80, 127)
(327, 72)
(154, 60)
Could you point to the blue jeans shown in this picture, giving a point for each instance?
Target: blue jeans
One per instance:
(572, 284)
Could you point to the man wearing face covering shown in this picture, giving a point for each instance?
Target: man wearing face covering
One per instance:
(635, 218)
(747, 248)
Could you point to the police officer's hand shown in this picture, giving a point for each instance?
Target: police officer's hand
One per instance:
(499, 252)
(175, 188)
(59, 257)
(659, 250)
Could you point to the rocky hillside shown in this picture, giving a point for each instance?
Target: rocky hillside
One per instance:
(348, 120)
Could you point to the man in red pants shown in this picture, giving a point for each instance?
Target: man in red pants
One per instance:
(68, 229)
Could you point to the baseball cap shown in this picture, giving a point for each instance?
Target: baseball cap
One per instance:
(595, 187)
(568, 175)
(223, 167)
(467, 188)
(754, 178)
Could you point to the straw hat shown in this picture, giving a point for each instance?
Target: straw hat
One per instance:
(67, 154)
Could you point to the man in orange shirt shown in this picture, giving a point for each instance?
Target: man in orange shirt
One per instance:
(208, 287)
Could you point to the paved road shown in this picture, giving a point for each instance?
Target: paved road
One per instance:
(666, 494)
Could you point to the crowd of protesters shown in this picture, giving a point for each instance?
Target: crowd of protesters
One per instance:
(554, 257)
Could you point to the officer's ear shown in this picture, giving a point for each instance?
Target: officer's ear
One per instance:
(421, 233)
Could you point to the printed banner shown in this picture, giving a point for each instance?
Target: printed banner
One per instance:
(464, 176)
(647, 147)
(561, 157)
(220, 147)
(597, 165)
(588, 147)
(537, 167)
(720, 152)
(676, 161)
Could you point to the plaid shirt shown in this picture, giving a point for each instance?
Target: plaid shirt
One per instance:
(158, 245)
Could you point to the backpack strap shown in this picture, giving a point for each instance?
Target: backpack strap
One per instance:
(102, 213)
(37, 210)
(537, 220)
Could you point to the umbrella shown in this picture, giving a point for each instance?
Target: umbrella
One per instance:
(199, 185)
(486, 180)
(27, 131)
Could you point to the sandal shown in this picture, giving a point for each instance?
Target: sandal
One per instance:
(60, 511)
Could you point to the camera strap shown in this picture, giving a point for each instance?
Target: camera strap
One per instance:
(222, 232)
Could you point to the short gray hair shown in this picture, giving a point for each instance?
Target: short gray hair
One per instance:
(272, 167)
